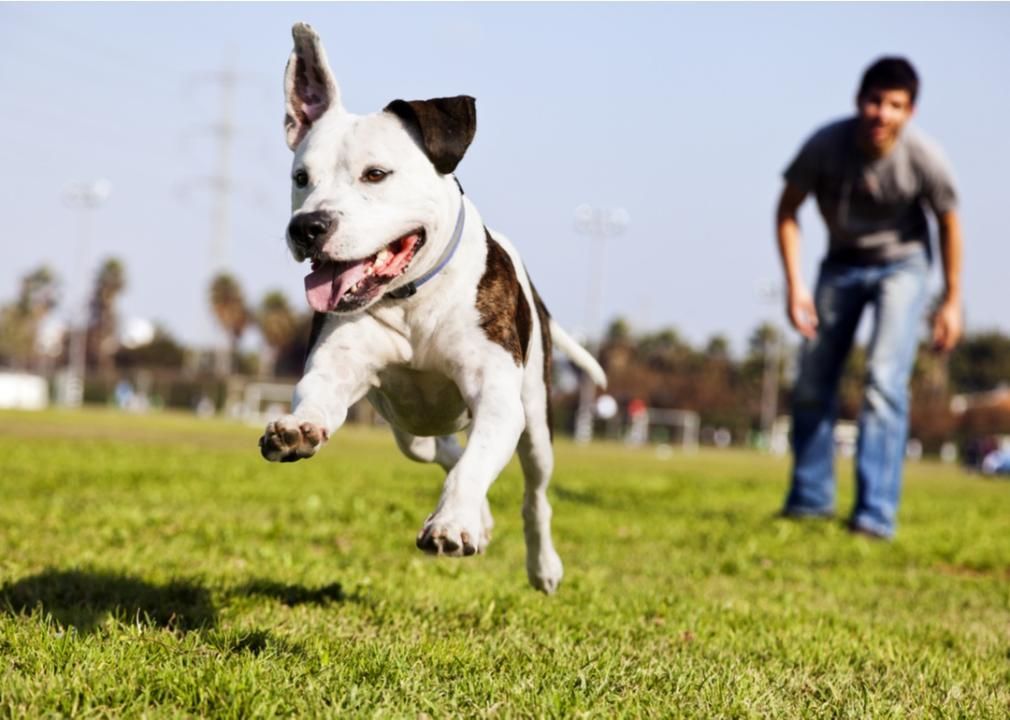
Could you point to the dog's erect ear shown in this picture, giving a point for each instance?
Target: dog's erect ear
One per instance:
(446, 127)
(309, 86)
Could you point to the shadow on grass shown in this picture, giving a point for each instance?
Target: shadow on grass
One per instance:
(580, 497)
(251, 642)
(84, 598)
(292, 595)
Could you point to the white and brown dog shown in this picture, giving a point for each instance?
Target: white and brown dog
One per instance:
(418, 306)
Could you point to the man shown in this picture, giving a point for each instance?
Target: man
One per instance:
(873, 178)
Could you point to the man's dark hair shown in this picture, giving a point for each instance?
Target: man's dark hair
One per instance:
(890, 73)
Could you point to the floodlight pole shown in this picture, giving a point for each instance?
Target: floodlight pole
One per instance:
(599, 224)
(85, 198)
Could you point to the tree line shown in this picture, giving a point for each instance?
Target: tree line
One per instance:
(666, 371)
(25, 346)
(660, 367)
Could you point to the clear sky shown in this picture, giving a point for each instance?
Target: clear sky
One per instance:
(682, 114)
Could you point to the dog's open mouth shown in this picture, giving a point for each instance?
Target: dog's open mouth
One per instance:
(345, 285)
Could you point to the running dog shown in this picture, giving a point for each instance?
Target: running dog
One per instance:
(418, 306)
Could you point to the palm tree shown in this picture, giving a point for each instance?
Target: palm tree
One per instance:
(618, 331)
(277, 324)
(109, 283)
(229, 307)
(39, 292)
(20, 320)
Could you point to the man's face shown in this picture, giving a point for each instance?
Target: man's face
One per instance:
(882, 115)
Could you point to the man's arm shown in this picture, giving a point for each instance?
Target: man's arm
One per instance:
(947, 323)
(799, 302)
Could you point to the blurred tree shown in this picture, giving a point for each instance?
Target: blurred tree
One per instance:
(618, 331)
(664, 350)
(278, 325)
(163, 352)
(618, 349)
(291, 357)
(716, 388)
(981, 362)
(39, 291)
(717, 348)
(931, 420)
(38, 294)
(762, 389)
(667, 372)
(229, 307)
(764, 336)
(102, 341)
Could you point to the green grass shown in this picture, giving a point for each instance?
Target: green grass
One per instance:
(157, 567)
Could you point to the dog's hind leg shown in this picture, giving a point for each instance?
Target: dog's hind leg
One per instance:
(444, 450)
(543, 566)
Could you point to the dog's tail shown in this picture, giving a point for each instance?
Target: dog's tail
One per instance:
(578, 354)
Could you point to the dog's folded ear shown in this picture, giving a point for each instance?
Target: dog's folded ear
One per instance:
(309, 86)
(446, 127)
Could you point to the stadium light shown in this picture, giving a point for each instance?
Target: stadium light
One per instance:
(599, 224)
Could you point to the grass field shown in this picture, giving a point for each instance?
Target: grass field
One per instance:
(156, 566)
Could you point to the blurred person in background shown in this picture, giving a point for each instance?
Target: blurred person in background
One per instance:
(874, 178)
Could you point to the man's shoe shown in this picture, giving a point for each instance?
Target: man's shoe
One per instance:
(794, 514)
(867, 533)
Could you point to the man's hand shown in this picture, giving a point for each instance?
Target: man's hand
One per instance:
(799, 304)
(947, 323)
(802, 312)
(947, 326)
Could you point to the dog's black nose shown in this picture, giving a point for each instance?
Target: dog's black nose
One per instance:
(306, 230)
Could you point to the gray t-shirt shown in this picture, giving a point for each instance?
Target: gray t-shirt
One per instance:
(873, 207)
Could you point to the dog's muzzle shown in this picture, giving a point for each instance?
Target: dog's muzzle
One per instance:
(309, 231)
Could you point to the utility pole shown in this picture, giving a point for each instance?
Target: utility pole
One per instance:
(770, 384)
(222, 187)
(221, 181)
(599, 224)
(85, 198)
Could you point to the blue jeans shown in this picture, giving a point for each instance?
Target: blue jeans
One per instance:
(897, 292)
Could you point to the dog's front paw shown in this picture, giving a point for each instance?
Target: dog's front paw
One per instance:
(289, 439)
(453, 532)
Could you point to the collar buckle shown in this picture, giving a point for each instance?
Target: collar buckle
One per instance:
(403, 292)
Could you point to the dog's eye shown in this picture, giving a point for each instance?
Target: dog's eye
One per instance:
(375, 175)
(301, 178)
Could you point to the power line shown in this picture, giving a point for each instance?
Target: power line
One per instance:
(223, 131)
(221, 182)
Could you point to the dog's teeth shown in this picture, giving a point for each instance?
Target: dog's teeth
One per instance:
(369, 270)
(382, 258)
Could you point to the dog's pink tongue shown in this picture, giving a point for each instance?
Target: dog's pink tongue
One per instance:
(319, 287)
(324, 287)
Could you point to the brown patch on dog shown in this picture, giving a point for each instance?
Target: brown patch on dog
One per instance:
(504, 313)
(545, 340)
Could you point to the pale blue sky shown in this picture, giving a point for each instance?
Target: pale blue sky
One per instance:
(683, 114)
